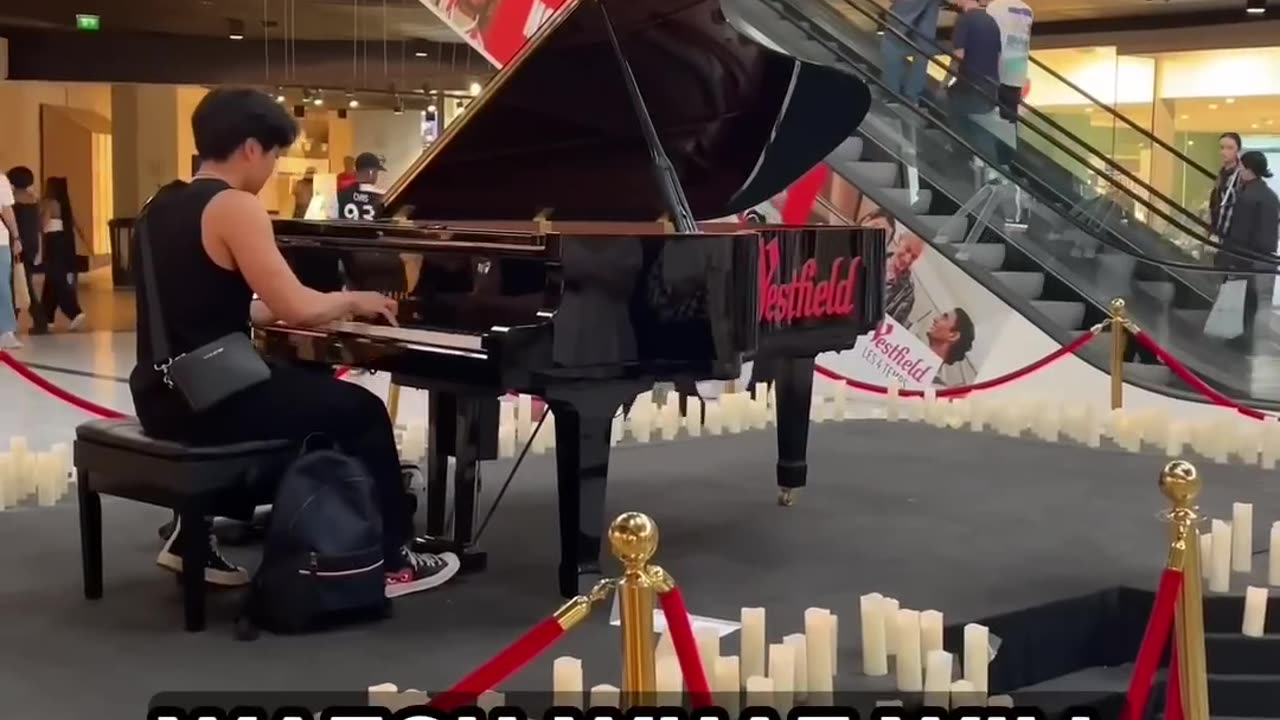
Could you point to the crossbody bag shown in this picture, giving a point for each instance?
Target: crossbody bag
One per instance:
(210, 373)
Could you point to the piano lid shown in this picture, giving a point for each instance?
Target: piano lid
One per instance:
(556, 133)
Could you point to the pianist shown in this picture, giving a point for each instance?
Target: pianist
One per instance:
(213, 249)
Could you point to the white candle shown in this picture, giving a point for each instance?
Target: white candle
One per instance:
(889, 613)
(834, 643)
(733, 411)
(490, 700)
(1255, 611)
(671, 418)
(977, 655)
(930, 632)
(752, 642)
(759, 691)
(47, 480)
(1220, 578)
(799, 647)
(910, 672)
(524, 418)
(708, 649)
(549, 430)
(1273, 552)
(728, 683)
(8, 482)
(715, 418)
(506, 430)
(817, 635)
(937, 679)
(605, 696)
(1206, 555)
(566, 681)
(963, 694)
(875, 659)
(782, 671)
(62, 451)
(893, 403)
(1241, 537)
(693, 421)
(668, 680)
(666, 646)
(1000, 701)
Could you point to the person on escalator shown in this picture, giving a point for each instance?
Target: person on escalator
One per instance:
(1254, 225)
(975, 68)
(1222, 199)
(917, 22)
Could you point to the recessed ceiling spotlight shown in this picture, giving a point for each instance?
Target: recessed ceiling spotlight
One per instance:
(1184, 117)
(235, 29)
(431, 108)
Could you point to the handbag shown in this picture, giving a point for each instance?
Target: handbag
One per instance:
(212, 372)
(1226, 319)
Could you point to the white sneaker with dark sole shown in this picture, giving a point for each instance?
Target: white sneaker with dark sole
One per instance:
(218, 570)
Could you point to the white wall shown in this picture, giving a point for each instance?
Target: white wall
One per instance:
(20, 115)
(397, 138)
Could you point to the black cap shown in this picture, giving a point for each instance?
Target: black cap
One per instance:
(369, 161)
(1256, 163)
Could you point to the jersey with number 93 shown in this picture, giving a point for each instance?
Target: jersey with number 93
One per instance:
(360, 202)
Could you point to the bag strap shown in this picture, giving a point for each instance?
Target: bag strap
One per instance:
(155, 317)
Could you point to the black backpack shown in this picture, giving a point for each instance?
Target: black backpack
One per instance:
(322, 558)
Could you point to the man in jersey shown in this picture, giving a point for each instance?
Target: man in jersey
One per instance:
(1014, 18)
(362, 200)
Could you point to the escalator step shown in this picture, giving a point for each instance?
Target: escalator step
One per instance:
(1162, 290)
(934, 224)
(989, 256)
(850, 149)
(1029, 285)
(1118, 265)
(876, 174)
(1063, 313)
(902, 196)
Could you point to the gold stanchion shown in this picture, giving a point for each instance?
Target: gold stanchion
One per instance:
(393, 402)
(634, 539)
(1119, 328)
(1181, 484)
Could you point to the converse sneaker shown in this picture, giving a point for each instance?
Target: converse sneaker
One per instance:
(218, 570)
(421, 571)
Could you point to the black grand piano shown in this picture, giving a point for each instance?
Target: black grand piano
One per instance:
(560, 241)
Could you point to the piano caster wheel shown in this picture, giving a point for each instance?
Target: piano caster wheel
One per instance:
(786, 497)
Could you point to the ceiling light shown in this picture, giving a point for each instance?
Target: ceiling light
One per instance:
(420, 53)
(1255, 7)
(280, 98)
(353, 103)
(474, 89)
(1184, 117)
(1213, 106)
(1271, 122)
(235, 29)
(431, 108)
(1254, 126)
(1191, 142)
(318, 101)
(1230, 100)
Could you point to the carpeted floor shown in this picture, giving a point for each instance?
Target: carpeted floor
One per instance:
(969, 524)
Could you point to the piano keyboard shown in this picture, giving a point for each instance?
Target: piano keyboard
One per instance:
(460, 341)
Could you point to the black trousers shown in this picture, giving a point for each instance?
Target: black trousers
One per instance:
(59, 292)
(297, 403)
(39, 320)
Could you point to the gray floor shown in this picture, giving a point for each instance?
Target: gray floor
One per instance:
(968, 524)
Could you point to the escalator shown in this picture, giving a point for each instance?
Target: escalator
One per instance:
(1055, 232)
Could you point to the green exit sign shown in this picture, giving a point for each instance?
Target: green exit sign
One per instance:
(90, 23)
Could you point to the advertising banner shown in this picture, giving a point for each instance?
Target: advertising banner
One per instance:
(497, 29)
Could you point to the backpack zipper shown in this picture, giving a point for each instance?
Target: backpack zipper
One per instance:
(314, 569)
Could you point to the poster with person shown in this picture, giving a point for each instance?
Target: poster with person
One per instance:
(497, 29)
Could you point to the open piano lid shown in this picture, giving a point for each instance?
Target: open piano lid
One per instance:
(556, 133)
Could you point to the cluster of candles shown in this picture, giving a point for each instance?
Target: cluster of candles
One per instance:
(1222, 439)
(1227, 549)
(40, 476)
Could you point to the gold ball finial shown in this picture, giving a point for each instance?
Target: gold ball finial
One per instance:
(633, 537)
(1117, 306)
(1180, 482)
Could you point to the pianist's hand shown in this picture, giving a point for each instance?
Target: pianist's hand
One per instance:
(365, 304)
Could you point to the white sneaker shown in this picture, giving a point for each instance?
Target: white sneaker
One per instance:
(78, 321)
(9, 341)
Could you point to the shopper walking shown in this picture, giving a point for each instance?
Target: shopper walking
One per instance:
(1222, 199)
(59, 253)
(26, 209)
(917, 22)
(10, 246)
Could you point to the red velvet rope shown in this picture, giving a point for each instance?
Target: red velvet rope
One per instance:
(30, 376)
(500, 667)
(1069, 349)
(1195, 382)
(1154, 642)
(341, 373)
(695, 676)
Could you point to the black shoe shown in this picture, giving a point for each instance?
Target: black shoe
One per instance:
(218, 570)
(421, 571)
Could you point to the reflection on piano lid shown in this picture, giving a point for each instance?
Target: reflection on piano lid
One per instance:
(556, 134)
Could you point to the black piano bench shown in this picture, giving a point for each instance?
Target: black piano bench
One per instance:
(114, 457)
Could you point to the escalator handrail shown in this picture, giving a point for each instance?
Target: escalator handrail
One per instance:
(932, 57)
(1238, 253)
(1108, 109)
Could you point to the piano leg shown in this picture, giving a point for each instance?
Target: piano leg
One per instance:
(793, 384)
(584, 422)
(441, 429)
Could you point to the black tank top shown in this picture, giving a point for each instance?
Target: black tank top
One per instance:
(200, 301)
(28, 217)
